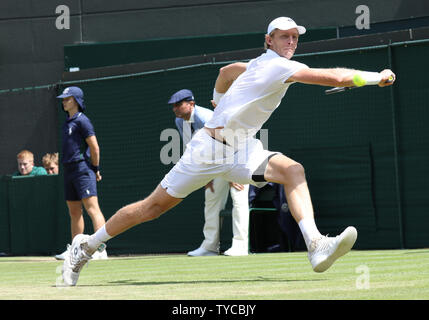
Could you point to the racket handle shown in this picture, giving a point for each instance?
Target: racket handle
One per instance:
(338, 89)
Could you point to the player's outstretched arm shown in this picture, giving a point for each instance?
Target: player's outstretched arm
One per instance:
(343, 77)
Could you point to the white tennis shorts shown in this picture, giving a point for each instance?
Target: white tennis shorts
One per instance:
(206, 158)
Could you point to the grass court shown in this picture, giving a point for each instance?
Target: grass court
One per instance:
(360, 275)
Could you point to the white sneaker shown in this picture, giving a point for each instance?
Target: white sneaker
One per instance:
(325, 250)
(100, 255)
(235, 252)
(63, 255)
(201, 252)
(79, 255)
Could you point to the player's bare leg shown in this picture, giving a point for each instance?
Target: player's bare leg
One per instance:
(322, 251)
(291, 175)
(84, 246)
(145, 210)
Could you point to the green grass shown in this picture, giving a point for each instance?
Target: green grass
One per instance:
(393, 274)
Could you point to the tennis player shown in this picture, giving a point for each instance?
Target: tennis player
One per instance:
(246, 96)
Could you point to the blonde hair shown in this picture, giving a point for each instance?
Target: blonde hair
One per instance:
(266, 45)
(50, 158)
(25, 154)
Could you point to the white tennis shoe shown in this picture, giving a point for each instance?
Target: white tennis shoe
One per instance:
(324, 251)
(200, 252)
(79, 255)
(98, 255)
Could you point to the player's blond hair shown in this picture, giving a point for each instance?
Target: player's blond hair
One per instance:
(266, 45)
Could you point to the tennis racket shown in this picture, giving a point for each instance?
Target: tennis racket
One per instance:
(341, 89)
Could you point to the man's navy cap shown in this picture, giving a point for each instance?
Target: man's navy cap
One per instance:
(180, 95)
(74, 92)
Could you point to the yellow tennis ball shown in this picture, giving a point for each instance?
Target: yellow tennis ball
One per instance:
(358, 80)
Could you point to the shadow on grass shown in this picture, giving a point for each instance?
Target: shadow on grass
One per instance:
(131, 282)
(416, 252)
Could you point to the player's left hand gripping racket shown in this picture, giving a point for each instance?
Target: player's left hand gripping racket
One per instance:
(341, 89)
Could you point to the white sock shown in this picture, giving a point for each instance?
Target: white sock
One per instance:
(98, 238)
(309, 230)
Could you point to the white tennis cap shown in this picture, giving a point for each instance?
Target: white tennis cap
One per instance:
(284, 23)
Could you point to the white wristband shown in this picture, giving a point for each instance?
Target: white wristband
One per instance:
(217, 96)
(365, 78)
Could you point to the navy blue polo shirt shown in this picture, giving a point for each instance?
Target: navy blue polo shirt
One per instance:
(75, 130)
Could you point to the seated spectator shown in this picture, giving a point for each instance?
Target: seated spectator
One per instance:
(50, 163)
(291, 235)
(26, 165)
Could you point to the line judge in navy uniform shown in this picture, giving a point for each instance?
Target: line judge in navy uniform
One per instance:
(189, 119)
(81, 159)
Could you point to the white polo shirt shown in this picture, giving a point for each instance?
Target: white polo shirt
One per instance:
(253, 97)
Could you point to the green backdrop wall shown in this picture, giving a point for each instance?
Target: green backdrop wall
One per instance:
(95, 55)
